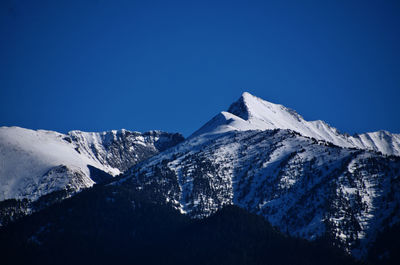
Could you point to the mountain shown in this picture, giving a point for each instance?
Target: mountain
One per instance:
(253, 113)
(112, 225)
(304, 178)
(38, 168)
(304, 186)
(35, 163)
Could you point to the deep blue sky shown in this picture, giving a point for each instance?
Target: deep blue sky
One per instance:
(172, 65)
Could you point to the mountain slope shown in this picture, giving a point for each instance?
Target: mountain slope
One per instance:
(114, 225)
(35, 163)
(253, 113)
(305, 187)
(304, 177)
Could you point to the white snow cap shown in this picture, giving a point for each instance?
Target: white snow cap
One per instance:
(252, 113)
(26, 155)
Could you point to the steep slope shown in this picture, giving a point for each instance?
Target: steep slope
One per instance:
(122, 149)
(35, 163)
(305, 187)
(253, 113)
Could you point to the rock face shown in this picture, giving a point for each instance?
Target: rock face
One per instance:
(35, 163)
(122, 149)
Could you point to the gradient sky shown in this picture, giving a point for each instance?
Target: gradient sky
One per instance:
(173, 65)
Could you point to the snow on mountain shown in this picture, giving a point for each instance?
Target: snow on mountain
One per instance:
(305, 177)
(35, 163)
(253, 113)
(122, 149)
(305, 187)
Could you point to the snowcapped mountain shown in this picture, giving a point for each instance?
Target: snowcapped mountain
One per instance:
(253, 113)
(304, 177)
(305, 187)
(35, 163)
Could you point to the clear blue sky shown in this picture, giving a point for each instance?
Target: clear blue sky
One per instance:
(173, 65)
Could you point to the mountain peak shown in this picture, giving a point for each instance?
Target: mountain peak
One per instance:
(253, 113)
(248, 96)
(240, 107)
(264, 114)
(247, 105)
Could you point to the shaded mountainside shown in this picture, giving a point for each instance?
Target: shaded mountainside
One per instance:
(386, 250)
(116, 225)
(305, 187)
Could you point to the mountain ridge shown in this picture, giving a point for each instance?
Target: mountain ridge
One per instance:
(252, 113)
(305, 187)
(27, 156)
(305, 184)
(305, 178)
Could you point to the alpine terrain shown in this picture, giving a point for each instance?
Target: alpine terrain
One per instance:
(305, 178)
(250, 186)
(38, 164)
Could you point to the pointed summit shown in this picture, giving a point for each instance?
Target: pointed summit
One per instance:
(264, 114)
(252, 113)
(240, 108)
(248, 105)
